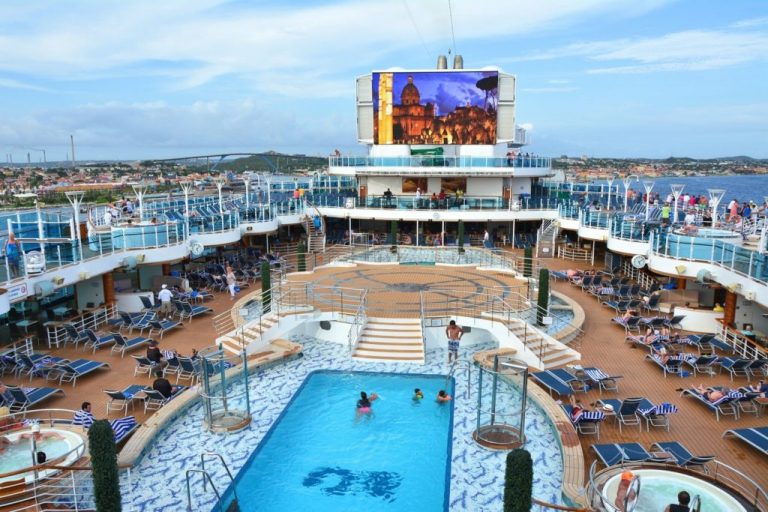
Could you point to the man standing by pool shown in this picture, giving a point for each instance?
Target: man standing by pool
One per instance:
(454, 333)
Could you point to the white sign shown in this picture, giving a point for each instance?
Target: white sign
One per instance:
(17, 292)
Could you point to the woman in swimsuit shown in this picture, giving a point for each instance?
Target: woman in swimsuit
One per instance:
(364, 404)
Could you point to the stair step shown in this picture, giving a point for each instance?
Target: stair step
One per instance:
(388, 343)
(376, 326)
(413, 358)
(391, 321)
(390, 350)
(391, 334)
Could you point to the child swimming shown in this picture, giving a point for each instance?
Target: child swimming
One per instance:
(417, 394)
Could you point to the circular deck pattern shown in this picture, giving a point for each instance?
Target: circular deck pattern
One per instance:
(395, 290)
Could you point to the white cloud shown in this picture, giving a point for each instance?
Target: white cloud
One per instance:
(307, 47)
(544, 90)
(752, 22)
(166, 128)
(691, 50)
(15, 84)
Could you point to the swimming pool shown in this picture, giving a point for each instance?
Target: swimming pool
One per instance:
(322, 455)
(477, 475)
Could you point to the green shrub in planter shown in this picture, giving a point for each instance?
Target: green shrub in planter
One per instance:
(543, 296)
(266, 284)
(460, 237)
(106, 480)
(301, 258)
(518, 481)
(528, 262)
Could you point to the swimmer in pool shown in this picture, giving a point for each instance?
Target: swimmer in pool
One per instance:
(417, 394)
(364, 404)
(442, 396)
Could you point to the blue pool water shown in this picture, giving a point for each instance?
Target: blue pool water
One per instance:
(320, 455)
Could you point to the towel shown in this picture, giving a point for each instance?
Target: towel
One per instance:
(122, 427)
(658, 410)
(83, 419)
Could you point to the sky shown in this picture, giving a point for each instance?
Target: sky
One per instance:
(171, 78)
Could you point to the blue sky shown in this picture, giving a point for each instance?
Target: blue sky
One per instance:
(168, 78)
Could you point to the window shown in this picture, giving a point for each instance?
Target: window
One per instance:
(411, 184)
(451, 185)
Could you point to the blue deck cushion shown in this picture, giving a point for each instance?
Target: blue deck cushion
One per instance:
(756, 437)
(552, 383)
(683, 456)
(725, 405)
(27, 397)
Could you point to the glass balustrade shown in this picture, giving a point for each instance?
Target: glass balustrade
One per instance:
(441, 161)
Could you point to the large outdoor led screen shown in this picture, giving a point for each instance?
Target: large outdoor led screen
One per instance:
(435, 107)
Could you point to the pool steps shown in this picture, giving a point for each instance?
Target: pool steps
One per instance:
(391, 339)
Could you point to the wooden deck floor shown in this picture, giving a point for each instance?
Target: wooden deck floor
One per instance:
(396, 292)
(694, 425)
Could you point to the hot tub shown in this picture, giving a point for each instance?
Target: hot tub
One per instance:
(659, 488)
(712, 233)
(18, 455)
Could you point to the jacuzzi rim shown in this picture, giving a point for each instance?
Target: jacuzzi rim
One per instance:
(721, 487)
(74, 453)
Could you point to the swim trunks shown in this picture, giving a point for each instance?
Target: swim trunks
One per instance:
(453, 345)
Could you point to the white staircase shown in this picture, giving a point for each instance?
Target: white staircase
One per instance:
(391, 340)
(315, 237)
(235, 341)
(552, 352)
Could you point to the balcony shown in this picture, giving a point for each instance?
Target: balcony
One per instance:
(429, 165)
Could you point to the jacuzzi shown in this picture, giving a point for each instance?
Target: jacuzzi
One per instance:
(659, 488)
(712, 233)
(18, 455)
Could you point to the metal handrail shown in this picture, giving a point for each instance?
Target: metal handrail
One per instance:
(358, 322)
(223, 463)
(206, 476)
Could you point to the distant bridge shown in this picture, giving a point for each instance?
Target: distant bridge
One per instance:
(267, 157)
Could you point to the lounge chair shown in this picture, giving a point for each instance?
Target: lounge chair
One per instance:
(587, 423)
(611, 454)
(656, 415)
(707, 343)
(683, 457)
(132, 323)
(553, 383)
(192, 311)
(702, 364)
(35, 365)
(147, 302)
(187, 370)
(74, 335)
(736, 367)
(758, 368)
(143, 366)
(602, 380)
(120, 400)
(756, 437)
(154, 400)
(674, 322)
(626, 411)
(726, 405)
(70, 371)
(24, 398)
(630, 324)
(122, 345)
(96, 342)
(162, 326)
(672, 366)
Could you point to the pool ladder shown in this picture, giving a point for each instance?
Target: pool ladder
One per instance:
(233, 507)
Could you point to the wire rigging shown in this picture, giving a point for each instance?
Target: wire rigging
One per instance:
(453, 34)
(416, 27)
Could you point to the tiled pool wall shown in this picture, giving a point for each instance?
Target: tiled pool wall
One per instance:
(477, 474)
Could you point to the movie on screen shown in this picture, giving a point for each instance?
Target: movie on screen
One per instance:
(435, 107)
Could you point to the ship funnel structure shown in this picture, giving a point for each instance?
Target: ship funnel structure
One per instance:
(458, 62)
(442, 62)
